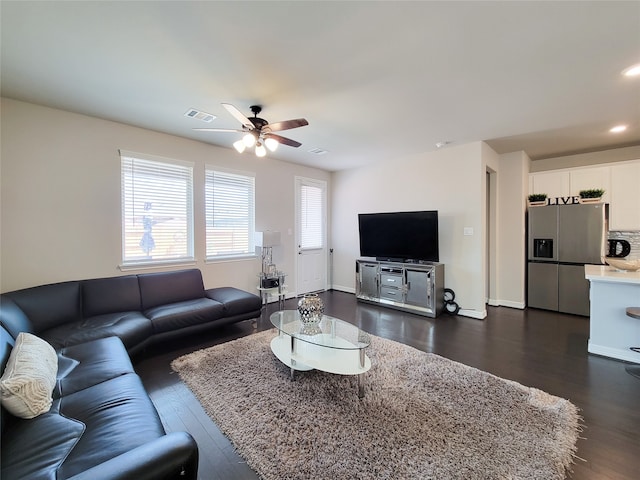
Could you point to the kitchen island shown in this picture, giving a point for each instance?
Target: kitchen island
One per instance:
(612, 331)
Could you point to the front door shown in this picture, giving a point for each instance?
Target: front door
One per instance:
(311, 235)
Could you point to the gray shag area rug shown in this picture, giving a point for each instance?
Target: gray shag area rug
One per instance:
(422, 417)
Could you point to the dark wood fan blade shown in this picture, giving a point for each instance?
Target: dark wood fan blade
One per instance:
(237, 114)
(286, 125)
(283, 140)
(218, 130)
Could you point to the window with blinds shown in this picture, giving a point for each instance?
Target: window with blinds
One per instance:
(230, 213)
(157, 210)
(311, 217)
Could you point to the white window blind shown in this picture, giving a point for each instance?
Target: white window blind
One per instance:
(311, 217)
(157, 210)
(230, 213)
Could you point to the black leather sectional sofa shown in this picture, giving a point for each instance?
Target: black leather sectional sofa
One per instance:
(102, 424)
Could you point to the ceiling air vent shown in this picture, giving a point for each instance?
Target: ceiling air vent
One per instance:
(318, 151)
(204, 116)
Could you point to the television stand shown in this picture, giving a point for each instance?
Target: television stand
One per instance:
(412, 287)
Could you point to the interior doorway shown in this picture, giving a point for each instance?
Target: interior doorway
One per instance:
(491, 226)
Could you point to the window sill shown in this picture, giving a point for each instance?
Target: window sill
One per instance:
(156, 265)
(234, 258)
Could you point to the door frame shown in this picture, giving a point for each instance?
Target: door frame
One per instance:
(298, 182)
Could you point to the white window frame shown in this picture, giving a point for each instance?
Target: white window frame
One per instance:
(133, 214)
(241, 176)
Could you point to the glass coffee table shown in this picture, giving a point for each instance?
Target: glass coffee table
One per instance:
(332, 346)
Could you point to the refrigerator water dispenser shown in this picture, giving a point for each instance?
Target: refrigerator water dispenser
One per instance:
(543, 248)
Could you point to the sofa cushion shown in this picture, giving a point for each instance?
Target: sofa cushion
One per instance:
(235, 301)
(163, 288)
(29, 378)
(47, 306)
(36, 448)
(82, 430)
(110, 295)
(87, 364)
(184, 314)
(132, 327)
(118, 416)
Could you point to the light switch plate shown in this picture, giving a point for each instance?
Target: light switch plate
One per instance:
(468, 230)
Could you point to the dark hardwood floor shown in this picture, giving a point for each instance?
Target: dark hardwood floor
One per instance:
(536, 348)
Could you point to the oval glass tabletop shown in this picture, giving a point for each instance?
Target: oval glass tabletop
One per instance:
(330, 332)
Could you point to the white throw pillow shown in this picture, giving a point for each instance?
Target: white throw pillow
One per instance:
(29, 377)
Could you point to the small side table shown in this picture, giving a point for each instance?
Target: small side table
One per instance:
(634, 312)
(280, 291)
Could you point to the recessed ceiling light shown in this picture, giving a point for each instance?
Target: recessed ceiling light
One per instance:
(442, 144)
(618, 129)
(632, 71)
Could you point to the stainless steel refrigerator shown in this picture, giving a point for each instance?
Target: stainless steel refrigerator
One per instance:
(561, 240)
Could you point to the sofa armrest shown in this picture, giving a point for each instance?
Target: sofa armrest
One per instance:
(236, 302)
(163, 459)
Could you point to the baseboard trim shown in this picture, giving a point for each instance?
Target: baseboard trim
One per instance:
(477, 314)
(617, 353)
(342, 288)
(518, 305)
(505, 303)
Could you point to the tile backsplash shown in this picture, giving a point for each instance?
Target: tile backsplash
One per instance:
(632, 237)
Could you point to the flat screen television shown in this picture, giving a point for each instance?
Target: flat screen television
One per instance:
(400, 236)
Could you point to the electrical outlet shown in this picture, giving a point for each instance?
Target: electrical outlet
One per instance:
(468, 231)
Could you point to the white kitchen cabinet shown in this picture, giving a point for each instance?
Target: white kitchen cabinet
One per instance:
(554, 184)
(590, 178)
(624, 208)
(620, 181)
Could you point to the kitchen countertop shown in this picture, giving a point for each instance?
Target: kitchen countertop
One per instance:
(605, 273)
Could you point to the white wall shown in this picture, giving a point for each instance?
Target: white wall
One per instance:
(60, 205)
(450, 181)
(60, 195)
(513, 188)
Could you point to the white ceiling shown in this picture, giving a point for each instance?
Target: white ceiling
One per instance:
(377, 81)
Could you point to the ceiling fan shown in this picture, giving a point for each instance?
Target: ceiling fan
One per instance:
(258, 131)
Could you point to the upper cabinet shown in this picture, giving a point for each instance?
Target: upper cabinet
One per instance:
(590, 178)
(620, 181)
(554, 184)
(624, 208)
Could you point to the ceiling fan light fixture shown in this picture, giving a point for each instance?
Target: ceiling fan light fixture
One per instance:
(239, 146)
(249, 140)
(257, 132)
(632, 71)
(260, 150)
(272, 144)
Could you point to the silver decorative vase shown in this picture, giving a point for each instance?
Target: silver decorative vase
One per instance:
(310, 308)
